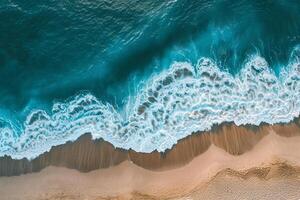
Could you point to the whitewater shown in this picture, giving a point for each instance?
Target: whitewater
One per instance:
(169, 106)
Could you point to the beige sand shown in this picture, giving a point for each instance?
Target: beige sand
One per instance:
(234, 188)
(268, 170)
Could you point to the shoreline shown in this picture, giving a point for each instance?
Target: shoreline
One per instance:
(274, 159)
(86, 154)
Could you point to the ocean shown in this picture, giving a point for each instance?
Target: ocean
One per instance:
(143, 74)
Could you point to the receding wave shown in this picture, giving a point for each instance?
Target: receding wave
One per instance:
(171, 105)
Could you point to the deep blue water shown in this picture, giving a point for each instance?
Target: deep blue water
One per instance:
(57, 51)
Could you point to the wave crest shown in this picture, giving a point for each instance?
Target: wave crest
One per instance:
(173, 104)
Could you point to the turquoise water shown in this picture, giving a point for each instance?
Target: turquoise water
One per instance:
(143, 74)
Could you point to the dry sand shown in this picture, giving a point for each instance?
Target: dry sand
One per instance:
(269, 171)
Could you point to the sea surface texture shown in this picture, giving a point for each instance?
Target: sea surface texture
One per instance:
(142, 74)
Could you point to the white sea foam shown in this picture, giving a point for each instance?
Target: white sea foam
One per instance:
(172, 105)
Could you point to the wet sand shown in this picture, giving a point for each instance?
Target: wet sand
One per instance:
(85, 154)
(268, 170)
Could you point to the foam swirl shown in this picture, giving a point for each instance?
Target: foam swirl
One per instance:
(173, 104)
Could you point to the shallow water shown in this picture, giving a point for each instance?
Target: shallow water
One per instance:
(143, 74)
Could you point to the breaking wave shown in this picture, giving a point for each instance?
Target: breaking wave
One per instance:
(171, 105)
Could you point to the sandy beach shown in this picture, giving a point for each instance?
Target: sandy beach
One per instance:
(271, 169)
(150, 100)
